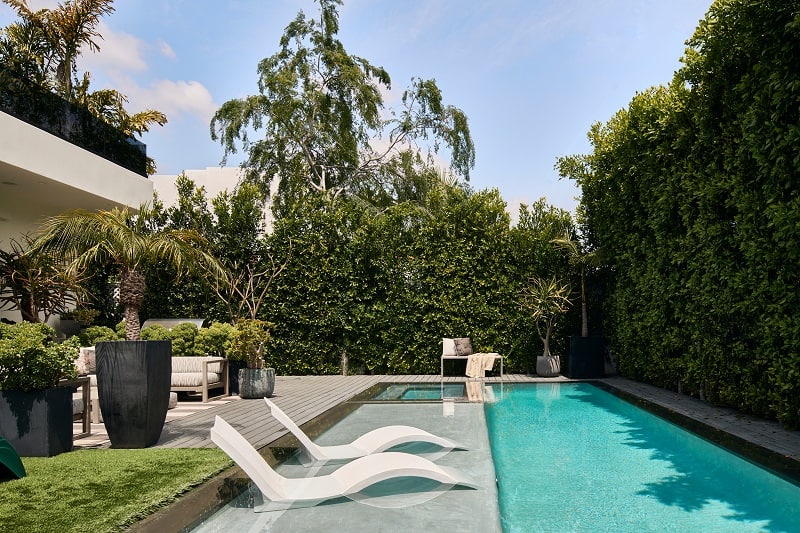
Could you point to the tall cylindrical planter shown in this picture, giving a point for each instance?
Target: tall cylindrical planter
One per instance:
(234, 365)
(256, 382)
(37, 423)
(586, 357)
(133, 382)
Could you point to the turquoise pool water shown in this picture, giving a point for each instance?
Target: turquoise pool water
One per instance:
(572, 457)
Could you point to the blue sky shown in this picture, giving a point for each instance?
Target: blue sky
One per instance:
(531, 75)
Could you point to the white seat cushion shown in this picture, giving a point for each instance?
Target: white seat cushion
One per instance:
(193, 379)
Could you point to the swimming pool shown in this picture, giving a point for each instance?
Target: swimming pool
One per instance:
(572, 457)
(549, 457)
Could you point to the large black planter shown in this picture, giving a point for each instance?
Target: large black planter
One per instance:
(133, 382)
(37, 423)
(586, 357)
(234, 365)
(256, 382)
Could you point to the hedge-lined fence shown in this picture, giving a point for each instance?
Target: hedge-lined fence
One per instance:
(375, 292)
(693, 194)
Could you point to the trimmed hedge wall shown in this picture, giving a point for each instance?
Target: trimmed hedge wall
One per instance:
(693, 194)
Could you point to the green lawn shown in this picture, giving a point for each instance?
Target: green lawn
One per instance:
(101, 490)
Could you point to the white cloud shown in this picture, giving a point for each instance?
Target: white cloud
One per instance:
(166, 49)
(36, 5)
(121, 63)
(119, 52)
(177, 97)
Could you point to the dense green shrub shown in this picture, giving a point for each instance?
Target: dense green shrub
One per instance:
(155, 332)
(183, 336)
(214, 340)
(248, 342)
(31, 359)
(377, 293)
(93, 334)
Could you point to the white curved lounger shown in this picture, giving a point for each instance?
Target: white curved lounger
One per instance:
(347, 481)
(375, 441)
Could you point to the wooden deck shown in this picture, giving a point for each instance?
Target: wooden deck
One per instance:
(301, 397)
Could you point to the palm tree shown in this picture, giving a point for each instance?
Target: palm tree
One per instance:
(65, 30)
(582, 260)
(129, 241)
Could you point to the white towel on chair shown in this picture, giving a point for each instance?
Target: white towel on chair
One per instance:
(478, 364)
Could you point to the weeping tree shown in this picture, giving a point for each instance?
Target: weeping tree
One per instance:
(129, 241)
(323, 124)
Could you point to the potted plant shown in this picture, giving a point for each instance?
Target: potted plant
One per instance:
(247, 344)
(547, 300)
(587, 352)
(36, 413)
(133, 376)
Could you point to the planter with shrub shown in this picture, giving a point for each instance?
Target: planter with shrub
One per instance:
(35, 413)
(247, 345)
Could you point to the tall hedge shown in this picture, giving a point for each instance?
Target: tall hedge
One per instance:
(377, 292)
(692, 193)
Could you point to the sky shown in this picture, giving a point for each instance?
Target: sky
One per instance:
(532, 76)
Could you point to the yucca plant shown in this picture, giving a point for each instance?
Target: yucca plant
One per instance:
(547, 300)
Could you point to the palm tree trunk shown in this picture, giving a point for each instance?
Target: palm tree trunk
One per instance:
(131, 296)
(584, 313)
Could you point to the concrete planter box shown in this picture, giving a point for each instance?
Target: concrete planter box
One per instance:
(133, 385)
(37, 423)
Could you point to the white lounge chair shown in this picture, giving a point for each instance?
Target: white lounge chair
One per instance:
(347, 481)
(375, 441)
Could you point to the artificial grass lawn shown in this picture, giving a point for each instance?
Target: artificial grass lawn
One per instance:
(101, 490)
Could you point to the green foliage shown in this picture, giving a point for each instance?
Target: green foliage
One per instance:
(38, 55)
(183, 337)
(94, 334)
(31, 359)
(155, 332)
(214, 340)
(130, 241)
(36, 284)
(376, 293)
(248, 342)
(692, 193)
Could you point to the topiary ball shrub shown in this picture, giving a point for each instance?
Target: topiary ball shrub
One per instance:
(183, 338)
(94, 334)
(214, 340)
(155, 332)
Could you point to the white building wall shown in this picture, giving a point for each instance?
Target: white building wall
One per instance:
(213, 179)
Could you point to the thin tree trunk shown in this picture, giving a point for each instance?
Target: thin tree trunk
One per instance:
(584, 313)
